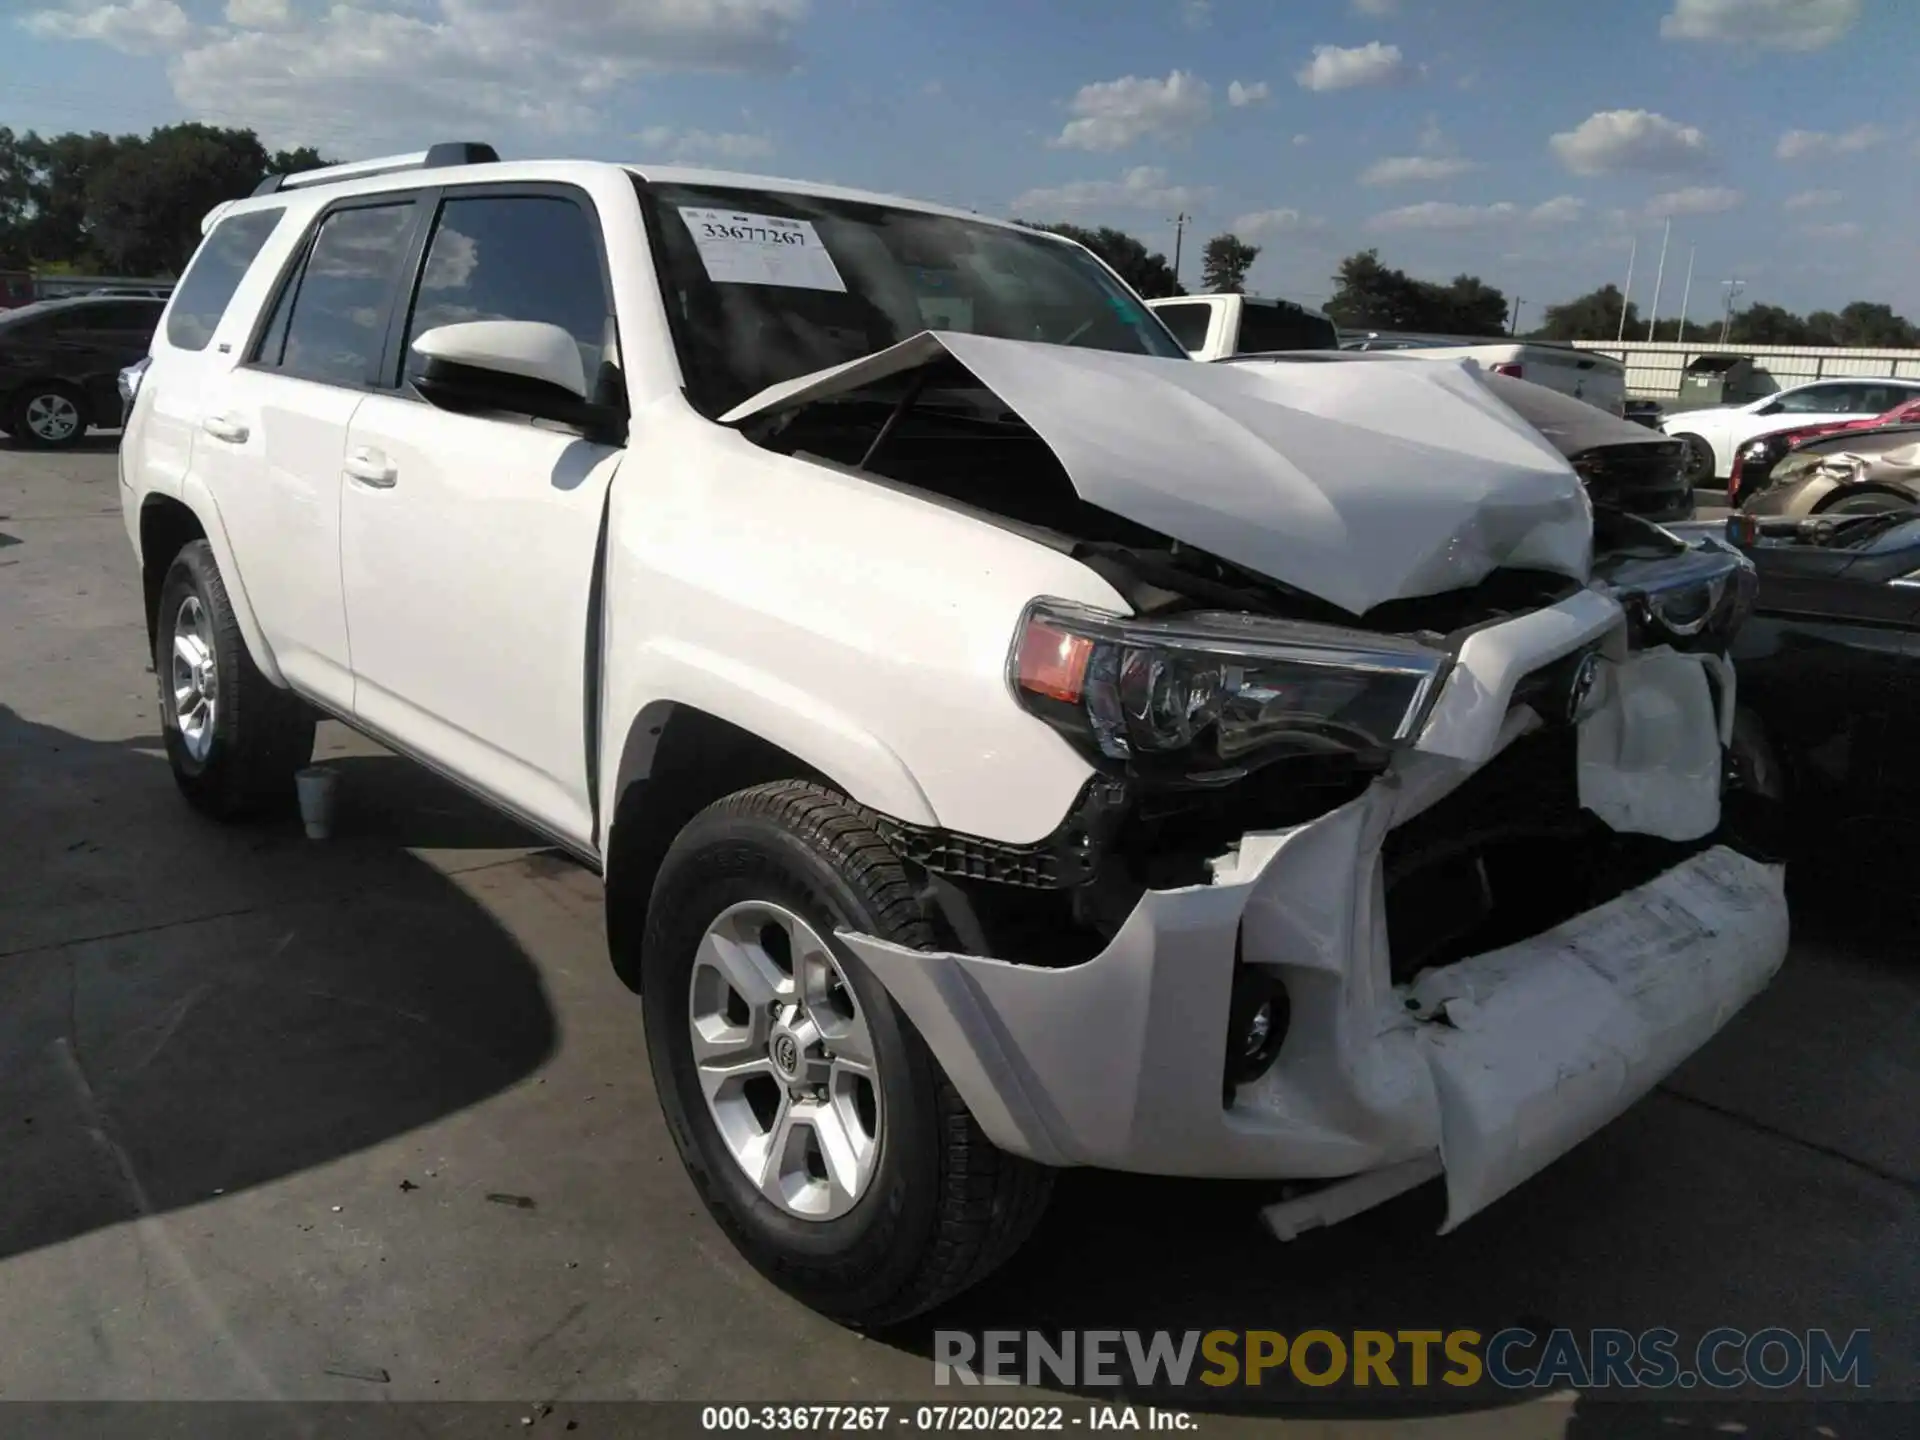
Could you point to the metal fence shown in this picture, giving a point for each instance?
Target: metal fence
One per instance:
(1655, 370)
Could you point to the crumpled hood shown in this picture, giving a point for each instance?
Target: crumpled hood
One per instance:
(1359, 484)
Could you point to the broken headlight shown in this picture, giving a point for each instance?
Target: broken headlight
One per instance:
(1214, 694)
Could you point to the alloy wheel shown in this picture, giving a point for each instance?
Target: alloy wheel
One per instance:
(196, 679)
(52, 417)
(786, 1061)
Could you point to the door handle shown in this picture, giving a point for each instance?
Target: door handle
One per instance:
(225, 427)
(370, 467)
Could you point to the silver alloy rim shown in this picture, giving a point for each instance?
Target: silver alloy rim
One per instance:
(785, 1060)
(196, 679)
(52, 416)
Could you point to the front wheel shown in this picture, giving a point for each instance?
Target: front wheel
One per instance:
(813, 1120)
(1698, 465)
(234, 739)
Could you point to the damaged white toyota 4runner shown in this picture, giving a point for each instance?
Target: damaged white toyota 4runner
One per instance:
(1008, 743)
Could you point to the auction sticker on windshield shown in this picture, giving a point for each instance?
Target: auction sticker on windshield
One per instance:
(742, 249)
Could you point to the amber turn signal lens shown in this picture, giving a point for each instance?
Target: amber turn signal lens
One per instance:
(1053, 663)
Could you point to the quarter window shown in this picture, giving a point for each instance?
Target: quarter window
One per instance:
(215, 273)
(514, 257)
(331, 322)
(1188, 322)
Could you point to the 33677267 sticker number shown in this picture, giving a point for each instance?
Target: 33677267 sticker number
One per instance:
(740, 248)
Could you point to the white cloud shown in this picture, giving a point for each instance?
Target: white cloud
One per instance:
(1402, 169)
(1144, 187)
(1239, 95)
(670, 144)
(1801, 144)
(358, 77)
(1812, 200)
(1768, 24)
(1561, 210)
(1273, 222)
(1443, 215)
(1616, 140)
(1843, 230)
(1694, 200)
(1301, 139)
(258, 14)
(1197, 13)
(1337, 68)
(138, 27)
(1113, 114)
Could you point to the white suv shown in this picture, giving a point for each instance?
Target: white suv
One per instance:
(1007, 743)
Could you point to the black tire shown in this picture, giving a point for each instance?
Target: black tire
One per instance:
(1697, 469)
(1866, 502)
(26, 400)
(261, 734)
(1755, 813)
(944, 1207)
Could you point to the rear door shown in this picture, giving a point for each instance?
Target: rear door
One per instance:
(469, 541)
(103, 338)
(273, 431)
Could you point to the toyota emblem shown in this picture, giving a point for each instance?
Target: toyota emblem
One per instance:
(786, 1054)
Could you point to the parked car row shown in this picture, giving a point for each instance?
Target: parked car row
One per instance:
(1715, 435)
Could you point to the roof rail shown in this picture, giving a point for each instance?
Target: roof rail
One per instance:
(448, 153)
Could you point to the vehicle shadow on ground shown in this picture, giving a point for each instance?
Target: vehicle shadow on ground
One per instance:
(188, 1008)
(96, 442)
(1629, 1230)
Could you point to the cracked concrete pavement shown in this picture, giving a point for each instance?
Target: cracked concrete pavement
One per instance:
(261, 1099)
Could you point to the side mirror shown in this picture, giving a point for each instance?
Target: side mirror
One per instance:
(520, 367)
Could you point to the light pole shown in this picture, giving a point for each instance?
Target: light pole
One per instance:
(1686, 294)
(1626, 295)
(1513, 326)
(1734, 287)
(1659, 276)
(1180, 222)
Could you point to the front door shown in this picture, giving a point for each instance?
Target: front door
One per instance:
(469, 542)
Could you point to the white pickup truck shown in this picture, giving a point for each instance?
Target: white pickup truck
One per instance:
(1213, 327)
(1598, 379)
(1006, 744)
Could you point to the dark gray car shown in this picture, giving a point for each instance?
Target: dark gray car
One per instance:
(60, 362)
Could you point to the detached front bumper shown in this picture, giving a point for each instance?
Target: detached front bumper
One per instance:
(1499, 1063)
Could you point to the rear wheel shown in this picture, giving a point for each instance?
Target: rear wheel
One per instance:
(48, 415)
(815, 1123)
(234, 738)
(1698, 465)
(1867, 502)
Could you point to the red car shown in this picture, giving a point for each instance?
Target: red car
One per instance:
(1753, 462)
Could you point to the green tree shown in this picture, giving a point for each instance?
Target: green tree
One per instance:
(1763, 324)
(1870, 324)
(292, 162)
(1371, 296)
(1225, 262)
(1147, 271)
(58, 172)
(146, 206)
(1593, 316)
(1470, 306)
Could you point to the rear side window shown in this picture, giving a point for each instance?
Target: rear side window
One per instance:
(514, 257)
(1188, 323)
(330, 323)
(1284, 327)
(215, 274)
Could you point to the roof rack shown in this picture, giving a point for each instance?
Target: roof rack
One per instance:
(435, 157)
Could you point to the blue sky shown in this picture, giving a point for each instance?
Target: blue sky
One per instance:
(1526, 141)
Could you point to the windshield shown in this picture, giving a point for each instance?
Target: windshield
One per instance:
(762, 286)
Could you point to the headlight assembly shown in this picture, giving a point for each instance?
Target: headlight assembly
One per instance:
(1211, 695)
